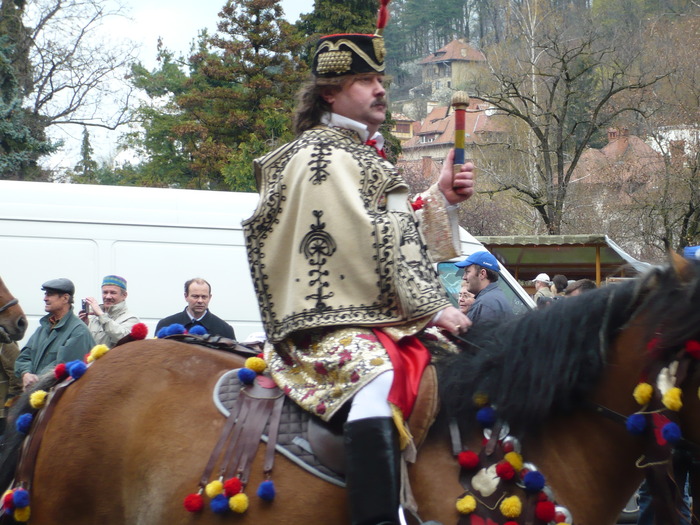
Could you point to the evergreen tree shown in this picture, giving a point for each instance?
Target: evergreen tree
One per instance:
(86, 168)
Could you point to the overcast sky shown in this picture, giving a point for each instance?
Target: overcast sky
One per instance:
(178, 23)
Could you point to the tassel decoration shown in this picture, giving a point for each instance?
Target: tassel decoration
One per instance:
(37, 399)
(466, 505)
(219, 504)
(238, 503)
(511, 507)
(642, 393)
(672, 399)
(194, 502)
(266, 491)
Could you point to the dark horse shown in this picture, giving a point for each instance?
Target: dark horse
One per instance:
(13, 323)
(130, 439)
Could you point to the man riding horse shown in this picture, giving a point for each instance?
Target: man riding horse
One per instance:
(342, 265)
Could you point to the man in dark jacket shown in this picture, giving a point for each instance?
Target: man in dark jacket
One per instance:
(481, 271)
(198, 295)
(60, 338)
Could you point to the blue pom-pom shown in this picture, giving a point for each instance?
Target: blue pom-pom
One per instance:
(163, 332)
(671, 433)
(636, 424)
(486, 417)
(24, 423)
(76, 369)
(266, 491)
(198, 329)
(20, 498)
(175, 329)
(247, 376)
(533, 481)
(219, 504)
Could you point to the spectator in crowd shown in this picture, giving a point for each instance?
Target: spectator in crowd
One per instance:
(542, 291)
(342, 272)
(110, 321)
(256, 341)
(10, 385)
(480, 274)
(466, 298)
(198, 294)
(559, 284)
(60, 338)
(579, 287)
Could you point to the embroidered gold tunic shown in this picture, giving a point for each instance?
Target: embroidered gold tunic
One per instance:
(335, 250)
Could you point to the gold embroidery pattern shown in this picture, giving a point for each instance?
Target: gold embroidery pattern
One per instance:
(334, 62)
(333, 49)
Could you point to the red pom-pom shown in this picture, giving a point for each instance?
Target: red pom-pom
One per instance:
(468, 460)
(511, 523)
(545, 511)
(60, 372)
(139, 331)
(505, 470)
(8, 502)
(542, 497)
(261, 355)
(232, 487)
(194, 502)
(651, 345)
(693, 348)
(417, 204)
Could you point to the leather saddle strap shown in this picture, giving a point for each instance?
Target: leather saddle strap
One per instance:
(273, 433)
(225, 434)
(226, 469)
(30, 449)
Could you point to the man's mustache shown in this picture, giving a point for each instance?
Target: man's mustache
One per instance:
(380, 102)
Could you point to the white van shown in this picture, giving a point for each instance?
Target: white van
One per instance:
(155, 238)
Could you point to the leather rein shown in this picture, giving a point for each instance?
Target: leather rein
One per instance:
(9, 304)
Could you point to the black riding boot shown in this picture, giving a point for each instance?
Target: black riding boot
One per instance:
(372, 471)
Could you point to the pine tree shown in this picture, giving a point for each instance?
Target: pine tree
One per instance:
(86, 168)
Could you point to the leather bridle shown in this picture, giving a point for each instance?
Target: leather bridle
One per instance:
(11, 303)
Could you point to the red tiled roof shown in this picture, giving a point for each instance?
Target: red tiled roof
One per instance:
(455, 50)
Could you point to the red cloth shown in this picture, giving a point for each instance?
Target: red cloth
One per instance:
(409, 358)
(373, 143)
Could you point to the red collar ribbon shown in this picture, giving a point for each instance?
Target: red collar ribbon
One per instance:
(373, 143)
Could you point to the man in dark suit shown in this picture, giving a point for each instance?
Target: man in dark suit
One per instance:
(198, 295)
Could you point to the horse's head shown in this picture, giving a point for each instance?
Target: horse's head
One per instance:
(13, 322)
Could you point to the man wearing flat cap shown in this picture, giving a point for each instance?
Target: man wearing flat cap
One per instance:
(110, 321)
(60, 338)
(342, 262)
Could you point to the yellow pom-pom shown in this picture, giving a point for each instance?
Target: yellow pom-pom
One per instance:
(672, 399)
(256, 364)
(511, 507)
(97, 352)
(466, 505)
(480, 399)
(642, 393)
(563, 523)
(238, 503)
(214, 488)
(515, 459)
(38, 399)
(21, 515)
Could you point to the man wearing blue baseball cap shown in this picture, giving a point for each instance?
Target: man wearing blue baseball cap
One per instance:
(480, 274)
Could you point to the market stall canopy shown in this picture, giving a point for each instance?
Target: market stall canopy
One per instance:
(594, 257)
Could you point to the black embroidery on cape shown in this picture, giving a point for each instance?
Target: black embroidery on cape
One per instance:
(317, 246)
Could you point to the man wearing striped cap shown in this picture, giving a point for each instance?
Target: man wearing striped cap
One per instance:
(110, 321)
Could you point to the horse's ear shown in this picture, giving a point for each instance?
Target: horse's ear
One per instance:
(681, 266)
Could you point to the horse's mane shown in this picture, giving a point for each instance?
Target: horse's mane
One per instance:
(546, 361)
(12, 439)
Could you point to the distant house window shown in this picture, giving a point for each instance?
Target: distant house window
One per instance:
(438, 84)
(403, 127)
(428, 138)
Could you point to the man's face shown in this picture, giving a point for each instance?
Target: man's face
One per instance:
(475, 276)
(362, 99)
(55, 302)
(198, 298)
(112, 295)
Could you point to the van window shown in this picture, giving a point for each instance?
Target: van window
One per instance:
(451, 279)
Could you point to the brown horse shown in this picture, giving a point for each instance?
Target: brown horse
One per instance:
(13, 323)
(130, 439)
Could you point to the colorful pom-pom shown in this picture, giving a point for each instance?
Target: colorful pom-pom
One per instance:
(21, 515)
(232, 486)
(266, 491)
(486, 416)
(511, 507)
(642, 393)
(256, 364)
(163, 332)
(247, 376)
(533, 481)
(671, 432)
(97, 352)
(20, 498)
(139, 331)
(693, 348)
(480, 399)
(468, 460)
(505, 470)
(194, 502)
(24, 423)
(672, 399)
(511, 523)
(76, 369)
(37, 399)
(636, 424)
(238, 503)
(60, 372)
(175, 329)
(219, 504)
(198, 329)
(214, 488)
(514, 459)
(544, 510)
(7, 502)
(466, 505)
